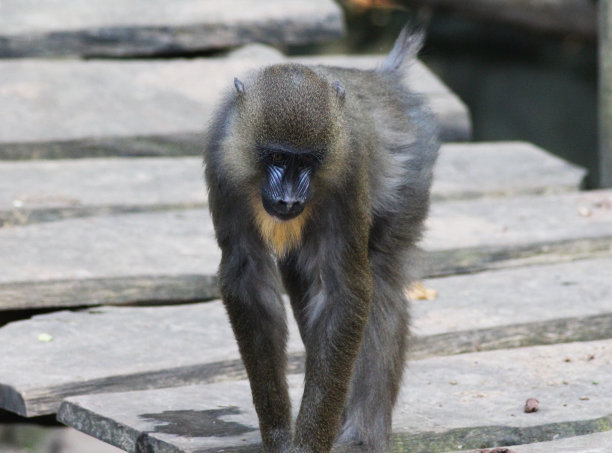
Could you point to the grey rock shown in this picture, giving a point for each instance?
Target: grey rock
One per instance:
(118, 29)
(112, 349)
(451, 402)
(43, 190)
(98, 108)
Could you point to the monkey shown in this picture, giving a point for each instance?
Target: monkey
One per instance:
(318, 181)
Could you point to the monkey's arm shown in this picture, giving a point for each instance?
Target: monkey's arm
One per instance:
(333, 326)
(250, 294)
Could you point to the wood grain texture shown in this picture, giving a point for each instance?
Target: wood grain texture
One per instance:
(45, 190)
(173, 256)
(119, 29)
(474, 399)
(145, 108)
(113, 349)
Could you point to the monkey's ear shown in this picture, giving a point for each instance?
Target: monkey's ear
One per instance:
(339, 90)
(239, 86)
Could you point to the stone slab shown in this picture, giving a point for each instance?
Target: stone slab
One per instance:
(118, 29)
(42, 190)
(173, 256)
(67, 108)
(126, 348)
(468, 401)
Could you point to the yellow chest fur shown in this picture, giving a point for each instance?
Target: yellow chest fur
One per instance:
(280, 235)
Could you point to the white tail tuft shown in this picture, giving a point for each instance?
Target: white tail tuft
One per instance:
(405, 49)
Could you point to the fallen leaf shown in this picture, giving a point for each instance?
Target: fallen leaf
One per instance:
(45, 337)
(417, 291)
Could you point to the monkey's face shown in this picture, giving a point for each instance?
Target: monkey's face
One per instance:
(286, 187)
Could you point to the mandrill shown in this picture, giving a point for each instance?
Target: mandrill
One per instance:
(319, 177)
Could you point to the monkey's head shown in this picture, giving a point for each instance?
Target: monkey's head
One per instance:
(287, 141)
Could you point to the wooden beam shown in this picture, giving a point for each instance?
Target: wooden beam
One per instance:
(605, 94)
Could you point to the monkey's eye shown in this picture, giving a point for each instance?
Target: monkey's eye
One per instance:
(277, 158)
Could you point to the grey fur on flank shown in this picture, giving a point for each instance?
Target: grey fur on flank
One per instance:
(345, 156)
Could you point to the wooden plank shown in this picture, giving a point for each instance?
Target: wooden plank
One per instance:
(501, 169)
(136, 108)
(605, 95)
(468, 236)
(589, 443)
(149, 257)
(468, 401)
(118, 29)
(43, 190)
(126, 348)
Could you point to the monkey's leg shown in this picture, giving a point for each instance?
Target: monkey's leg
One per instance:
(333, 330)
(250, 292)
(378, 370)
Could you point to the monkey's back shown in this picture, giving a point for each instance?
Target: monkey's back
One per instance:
(405, 148)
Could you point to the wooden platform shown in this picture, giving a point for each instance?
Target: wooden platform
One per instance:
(120, 248)
(125, 348)
(463, 401)
(94, 259)
(43, 190)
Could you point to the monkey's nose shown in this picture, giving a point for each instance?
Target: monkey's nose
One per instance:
(287, 208)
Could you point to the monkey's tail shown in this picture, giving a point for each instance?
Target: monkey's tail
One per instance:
(405, 49)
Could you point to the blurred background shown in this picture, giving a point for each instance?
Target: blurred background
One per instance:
(527, 70)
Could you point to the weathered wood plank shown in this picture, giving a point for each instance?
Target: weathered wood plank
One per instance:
(115, 28)
(466, 401)
(125, 348)
(136, 108)
(515, 231)
(43, 190)
(151, 257)
(131, 258)
(496, 169)
(589, 443)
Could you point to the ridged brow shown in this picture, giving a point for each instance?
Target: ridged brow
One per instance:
(275, 179)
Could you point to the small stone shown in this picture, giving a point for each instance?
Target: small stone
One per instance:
(531, 405)
(584, 398)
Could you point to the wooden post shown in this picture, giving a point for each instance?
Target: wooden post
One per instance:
(604, 175)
